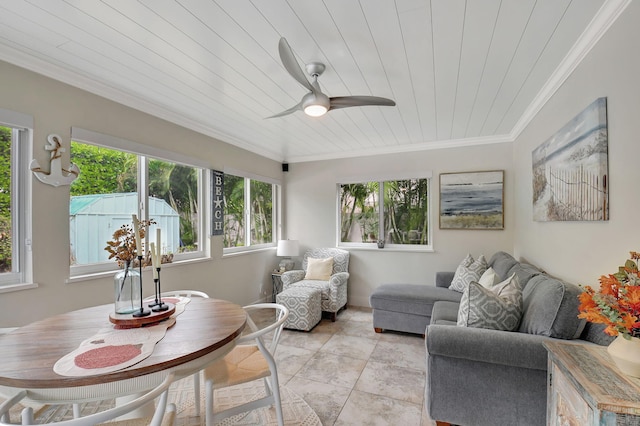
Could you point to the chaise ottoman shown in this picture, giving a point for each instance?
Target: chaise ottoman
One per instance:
(407, 307)
(304, 306)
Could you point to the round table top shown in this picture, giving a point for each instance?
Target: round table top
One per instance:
(29, 353)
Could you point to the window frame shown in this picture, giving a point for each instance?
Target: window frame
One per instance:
(381, 179)
(144, 154)
(276, 223)
(21, 193)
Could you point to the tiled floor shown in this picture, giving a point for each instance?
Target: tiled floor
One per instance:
(351, 375)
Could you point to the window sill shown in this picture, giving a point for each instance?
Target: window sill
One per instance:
(17, 287)
(98, 275)
(395, 248)
(240, 252)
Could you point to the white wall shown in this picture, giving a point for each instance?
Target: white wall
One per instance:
(582, 251)
(311, 214)
(56, 107)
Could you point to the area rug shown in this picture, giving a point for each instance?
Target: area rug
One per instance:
(295, 410)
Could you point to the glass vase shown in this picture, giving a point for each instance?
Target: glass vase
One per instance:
(127, 290)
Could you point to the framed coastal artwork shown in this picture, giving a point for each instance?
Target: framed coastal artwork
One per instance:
(472, 200)
(570, 169)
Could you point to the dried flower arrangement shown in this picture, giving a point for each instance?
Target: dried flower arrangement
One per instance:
(123, 245)
(617, 303)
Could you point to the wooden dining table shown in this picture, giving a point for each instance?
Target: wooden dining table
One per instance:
(205, 331)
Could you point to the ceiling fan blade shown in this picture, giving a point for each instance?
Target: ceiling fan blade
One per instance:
(291, 65)
(291, 110)
(352, 101)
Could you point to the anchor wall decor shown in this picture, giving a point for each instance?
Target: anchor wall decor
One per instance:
(57, 176)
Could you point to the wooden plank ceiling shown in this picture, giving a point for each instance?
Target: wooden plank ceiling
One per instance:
(461, 72)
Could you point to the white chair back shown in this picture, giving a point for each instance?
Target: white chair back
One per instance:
(160, 391)
(184, 293)
(225, 373)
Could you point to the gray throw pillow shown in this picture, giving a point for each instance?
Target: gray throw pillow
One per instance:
(498, 308)
(469, 270)
(551, 308)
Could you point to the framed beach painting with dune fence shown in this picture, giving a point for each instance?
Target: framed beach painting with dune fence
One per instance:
(570, 169)
(472, 200)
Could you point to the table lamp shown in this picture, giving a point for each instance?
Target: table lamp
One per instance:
(287, 249)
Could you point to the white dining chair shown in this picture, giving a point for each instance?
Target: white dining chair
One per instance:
(251, 359)
(196, 377)
(184, 293)
(159, 419)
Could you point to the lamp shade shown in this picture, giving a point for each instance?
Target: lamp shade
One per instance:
(287, 248)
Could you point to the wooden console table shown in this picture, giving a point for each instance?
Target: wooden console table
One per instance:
(585, 388)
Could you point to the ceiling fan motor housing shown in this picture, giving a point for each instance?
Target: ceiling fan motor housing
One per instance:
(315, 104)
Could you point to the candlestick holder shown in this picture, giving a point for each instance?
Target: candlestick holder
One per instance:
(159, 305)
(142, 312)
(158, 300)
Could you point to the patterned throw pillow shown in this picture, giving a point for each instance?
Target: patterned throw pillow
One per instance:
(469, 270)
(488, 278)
(497, 308)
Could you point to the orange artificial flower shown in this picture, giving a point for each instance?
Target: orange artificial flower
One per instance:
(617, 303)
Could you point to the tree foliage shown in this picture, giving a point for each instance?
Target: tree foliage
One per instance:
(405, 211)
(6, 246)
(108, 171)
(103, 170)
(260, 208)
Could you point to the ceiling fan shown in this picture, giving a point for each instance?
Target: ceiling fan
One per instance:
(315, 103)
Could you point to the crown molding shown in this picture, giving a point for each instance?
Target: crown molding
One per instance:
(415, 147)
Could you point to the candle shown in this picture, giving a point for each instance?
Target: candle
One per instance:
(154, 261)
(159, 242)
(136, 233)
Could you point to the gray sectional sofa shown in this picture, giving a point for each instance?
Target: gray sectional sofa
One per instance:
(478, 376)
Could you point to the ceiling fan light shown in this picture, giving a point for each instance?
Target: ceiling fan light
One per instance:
(315, 110)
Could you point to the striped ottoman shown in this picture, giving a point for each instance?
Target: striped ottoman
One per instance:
(304, 307)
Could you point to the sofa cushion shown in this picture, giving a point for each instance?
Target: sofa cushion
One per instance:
(551, 308)
(469, 270)
(594, 333)
(498, 308)
(319, 269)
(525, 272)
(445, 313)
(502, 263)
(410, 298)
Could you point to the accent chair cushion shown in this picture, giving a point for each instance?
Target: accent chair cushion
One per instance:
(319, 269)
(496, 308)
(469, 270)
(551, 308)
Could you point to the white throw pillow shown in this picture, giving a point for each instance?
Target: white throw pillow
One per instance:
(468, 272)
(488, 278)
(319, 269)
(498, 308)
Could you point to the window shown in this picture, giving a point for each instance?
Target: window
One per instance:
(15, 194)
(113, 185)
(394, 211)
(248, 201)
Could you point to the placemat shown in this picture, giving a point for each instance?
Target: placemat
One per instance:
(112, 349)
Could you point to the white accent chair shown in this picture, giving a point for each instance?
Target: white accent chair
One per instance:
(250, 360)
(333, 293)
(196, 377)
(160, 392)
